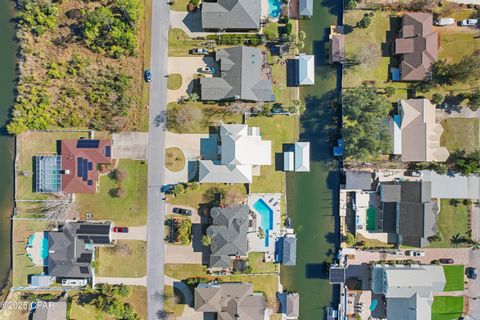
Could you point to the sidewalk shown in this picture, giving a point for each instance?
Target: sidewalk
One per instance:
(125, 281)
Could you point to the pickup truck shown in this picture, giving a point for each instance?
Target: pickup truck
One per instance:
(444, 21)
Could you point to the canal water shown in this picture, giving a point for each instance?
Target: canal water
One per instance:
(7, 96)
(312, 196)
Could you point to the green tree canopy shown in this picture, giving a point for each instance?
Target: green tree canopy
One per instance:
(38, 16)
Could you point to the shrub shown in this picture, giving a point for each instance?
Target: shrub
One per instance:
(390, 91)
(437, 98)
(195, 2)
(288, 28)
(38, 16)
(350, 4)
(349, 239)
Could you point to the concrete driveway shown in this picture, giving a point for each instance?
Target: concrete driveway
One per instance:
(189, 22)
(187, 67)
(459, 255)
(134, 233)
(130, 145)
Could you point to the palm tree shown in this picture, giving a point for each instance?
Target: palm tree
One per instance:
(457, 239)
(474, 244)
(206, 240)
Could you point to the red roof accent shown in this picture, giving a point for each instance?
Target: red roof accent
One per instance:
(71, 182)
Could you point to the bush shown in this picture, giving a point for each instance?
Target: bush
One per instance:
(350, 4)
(467, 202)
(438, 98)
(184, 230)
(195, 2)
(390, 91)
(365, 22)
(288, 28)
(38, 16)
(349, 239)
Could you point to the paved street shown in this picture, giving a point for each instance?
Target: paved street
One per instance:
(156, 159)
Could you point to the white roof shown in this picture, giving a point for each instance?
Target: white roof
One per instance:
(453, 186)
(306, 69)
(217, 173)
(288, 161)
(242, 145)
(396, 134)
(302, 156)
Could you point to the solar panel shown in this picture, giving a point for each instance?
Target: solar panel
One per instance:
(94, 229)
(90, 166)
(85, 170)
(108, 151)
(85, 258)
(79, 167)
(84, 270)
(88, 144)
(90, 182)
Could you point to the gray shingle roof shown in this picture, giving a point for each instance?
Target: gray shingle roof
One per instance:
(289, 255)
(240, 77)
(229, 235)
(231, 15)
(56, 310)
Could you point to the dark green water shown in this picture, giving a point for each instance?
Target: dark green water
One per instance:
(7, 96)
(312, 196)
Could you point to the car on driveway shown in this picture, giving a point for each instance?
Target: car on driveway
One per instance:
(413, 253)
(471, 273)
(207, 70)
(200, 51)
(120, 229)
(446, 260)
(469, 22)
(181, 211)
(148, 75)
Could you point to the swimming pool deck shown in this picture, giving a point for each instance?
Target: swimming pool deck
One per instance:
(256, 244)
(35, 250)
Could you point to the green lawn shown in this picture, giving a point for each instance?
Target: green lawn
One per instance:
(174, 81)
(130, 255)
(455, 276)
(455, 131)
(447, 308)
(266, 284)
(452, 220)
(280, 130)
(172, 304)
(179, 5)
(283, 94)
(130, 210)
(22, 265)
(255, 260)
(180, 44)
(211, 115)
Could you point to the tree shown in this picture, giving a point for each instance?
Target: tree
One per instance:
(118, 175)
(288, 28)
(38, 16)
(213, 195)
(193, 97)
(390, 91)
(365, 22)
(467, 202)
(457, 240)
(349, 239)
(350, 4)
(194, 186)
(454, 202)
(365, 132)
(206, 240)
(438, 167)
(179, 189)
(183, 118)
(297, 107)
(474, 100)
(438, 98)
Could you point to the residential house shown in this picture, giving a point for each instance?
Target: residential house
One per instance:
(231, 15)
(50, 310)
(416, 134)
(71, 249)
(297, 158)
(288, 250)
(244, 75)
(79, 162)
(417, 45)
(230, 301)
(241, 153)
(289, 305)
(408, 290)
(229, 236)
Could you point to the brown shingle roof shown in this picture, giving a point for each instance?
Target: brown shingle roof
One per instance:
(418, 45)
(79, 164)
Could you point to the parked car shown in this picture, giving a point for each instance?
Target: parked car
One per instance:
(148, 76)
(444, 21)
(471, 273)
(446, 260)
(120, 229)
(200, 51)
(207, 70)
(415, 173)
(413, 253)
(469, 22)
(167, 188)
(181, 211)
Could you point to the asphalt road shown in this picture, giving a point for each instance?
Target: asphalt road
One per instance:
(156, 159)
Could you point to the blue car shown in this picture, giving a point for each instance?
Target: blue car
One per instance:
(166, 188)
(148, 75)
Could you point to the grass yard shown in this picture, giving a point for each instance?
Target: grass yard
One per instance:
(447, 308)
(279, 129)
(266, 284)
(455, 276)
(255, 260)
(179, 43)
(174, 159)
(371, 243)
(455, 131)
(22, 265)
(211, 115)
(125, 259)
(452, 220)
(174, 81)
(283, 93)
(129, 210)
(179, 5)
(173, 303)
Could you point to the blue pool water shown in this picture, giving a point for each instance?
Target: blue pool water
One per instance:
(274, 8)
(374, 304)
(30, 240)
(266, 214)
(44, 249)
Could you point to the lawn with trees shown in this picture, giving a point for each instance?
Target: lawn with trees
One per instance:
(451, 220)
(365, 131)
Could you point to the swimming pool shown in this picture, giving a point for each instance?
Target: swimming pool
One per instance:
(266, 215)
(274, 8)
(44, 247)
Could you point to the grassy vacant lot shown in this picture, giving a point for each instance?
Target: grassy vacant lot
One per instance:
(174, 159)
(174, 81)
(136, 298)
(129, 210)
(266, 284)
(279, 129)
(22, 265)
(255, 260)
(125, 259)
(195, 198)
(452, 220)
(29, 145)
(211, 115)
(455, 276)
(283, 94)
(180, 44)
(455, 132)
(172, 303)
(447, 308)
